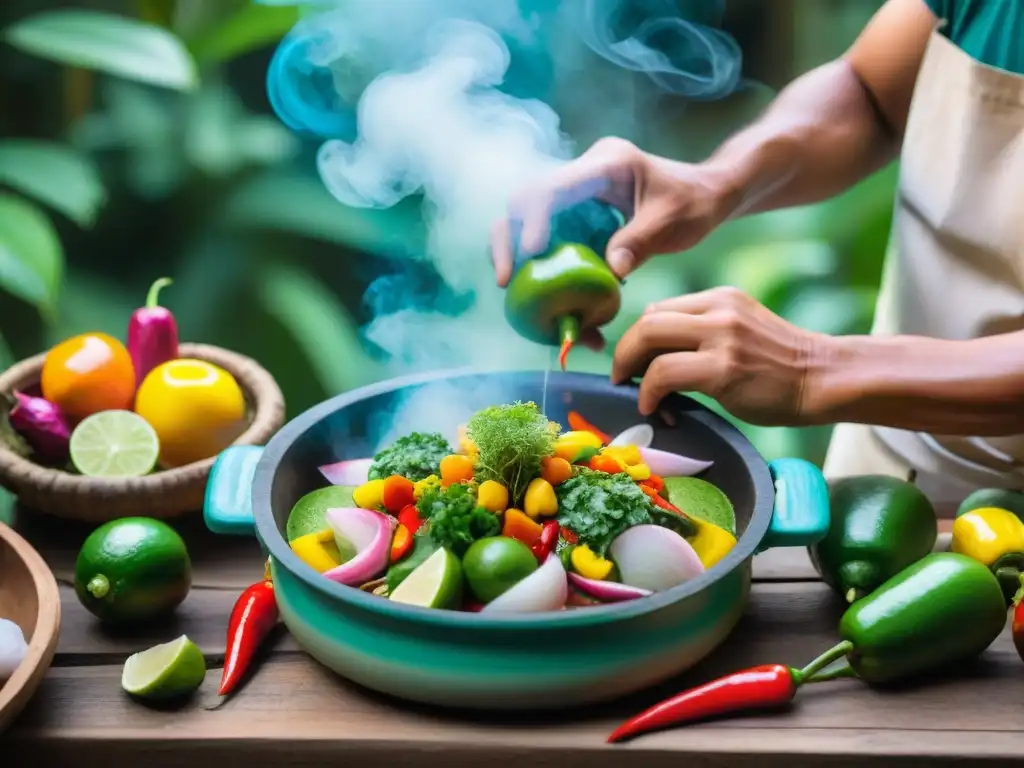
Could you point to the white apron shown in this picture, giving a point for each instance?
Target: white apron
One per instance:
(955, 267)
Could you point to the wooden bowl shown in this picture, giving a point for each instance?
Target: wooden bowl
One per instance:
(163, 494)
(29, 597)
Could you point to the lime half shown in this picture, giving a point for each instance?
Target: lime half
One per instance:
(165, 671)
(436, 583)
(699, 498)
(114, 444)
(309, 513)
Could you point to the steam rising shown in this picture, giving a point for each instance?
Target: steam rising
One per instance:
(450, 105)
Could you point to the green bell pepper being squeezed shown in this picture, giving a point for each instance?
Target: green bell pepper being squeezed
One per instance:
(552, 297)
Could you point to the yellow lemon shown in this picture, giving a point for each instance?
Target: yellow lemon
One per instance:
(196, 408)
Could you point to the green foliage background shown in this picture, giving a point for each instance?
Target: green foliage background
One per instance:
(137, 142)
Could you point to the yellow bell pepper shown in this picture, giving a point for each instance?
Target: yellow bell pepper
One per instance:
(492, 496)
(627, 455)
(539, 499)
(318, 550)
(711, 543)
(588, 564)
(638, 471)
(369, 495)
(422, 486)
(569, 445)
(987, 534)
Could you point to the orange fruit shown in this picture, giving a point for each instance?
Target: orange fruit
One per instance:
(87, 374)
(196, 408)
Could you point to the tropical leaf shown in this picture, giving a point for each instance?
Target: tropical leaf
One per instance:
(250, 27)
(64, 179)
(108, 43)
(300, 204)
(317, 322)
(31, 257)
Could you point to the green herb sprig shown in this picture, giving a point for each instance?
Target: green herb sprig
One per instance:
(511, 440)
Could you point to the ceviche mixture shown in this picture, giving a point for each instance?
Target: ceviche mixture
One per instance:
(520, 517)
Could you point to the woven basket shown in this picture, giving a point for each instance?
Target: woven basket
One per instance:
(163, 494)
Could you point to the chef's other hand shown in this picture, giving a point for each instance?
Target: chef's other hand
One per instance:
(669, 206)
(724, 344)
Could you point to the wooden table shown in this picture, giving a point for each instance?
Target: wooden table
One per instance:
(293, 712)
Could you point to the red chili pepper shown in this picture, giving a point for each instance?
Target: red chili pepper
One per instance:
(1017, 623)
(770, 685)
(661, 501)
(152, 334)
(578, 424)
(569, 536)
(410, 518)
(654, 482)
(254, 615)
(545, 545)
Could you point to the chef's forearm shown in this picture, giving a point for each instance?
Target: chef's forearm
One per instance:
(927, 385)
(819, 137)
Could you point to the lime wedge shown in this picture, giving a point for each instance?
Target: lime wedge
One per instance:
(114, 444)
(165, 671)
(702, 500)
(435, 583)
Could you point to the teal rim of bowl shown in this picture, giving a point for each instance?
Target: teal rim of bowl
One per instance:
(272, 538)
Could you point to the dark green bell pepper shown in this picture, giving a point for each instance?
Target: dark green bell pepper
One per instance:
(943, 609)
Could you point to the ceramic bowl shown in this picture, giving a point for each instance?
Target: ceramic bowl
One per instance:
(549, 660)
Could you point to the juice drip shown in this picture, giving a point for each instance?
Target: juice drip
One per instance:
(547, 375)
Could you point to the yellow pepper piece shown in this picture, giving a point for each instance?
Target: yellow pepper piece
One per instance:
(422, 486)
(539, 499)
(638, 472)
(492, 496)
(369, 495)
(318, 550)
(569, 445)
(987, 534)
(627, 455)
(589, 565)
(711, 543)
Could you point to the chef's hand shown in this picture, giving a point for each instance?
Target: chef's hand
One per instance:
(669, 206)
(724, 344)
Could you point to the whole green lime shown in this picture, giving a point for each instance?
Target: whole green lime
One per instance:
(494, 564)
(131, 570)
(309, 513)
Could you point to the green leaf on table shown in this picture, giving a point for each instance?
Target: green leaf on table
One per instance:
(250, 27)
(59, 176)
(106, 42)
(318, 323)
(31, 257)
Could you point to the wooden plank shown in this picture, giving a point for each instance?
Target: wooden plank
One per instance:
(292, 705)
(203, 617)
(231, 562)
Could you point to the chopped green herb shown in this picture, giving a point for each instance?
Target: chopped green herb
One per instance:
(414, 456)
(597, 507)
(454, 518)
